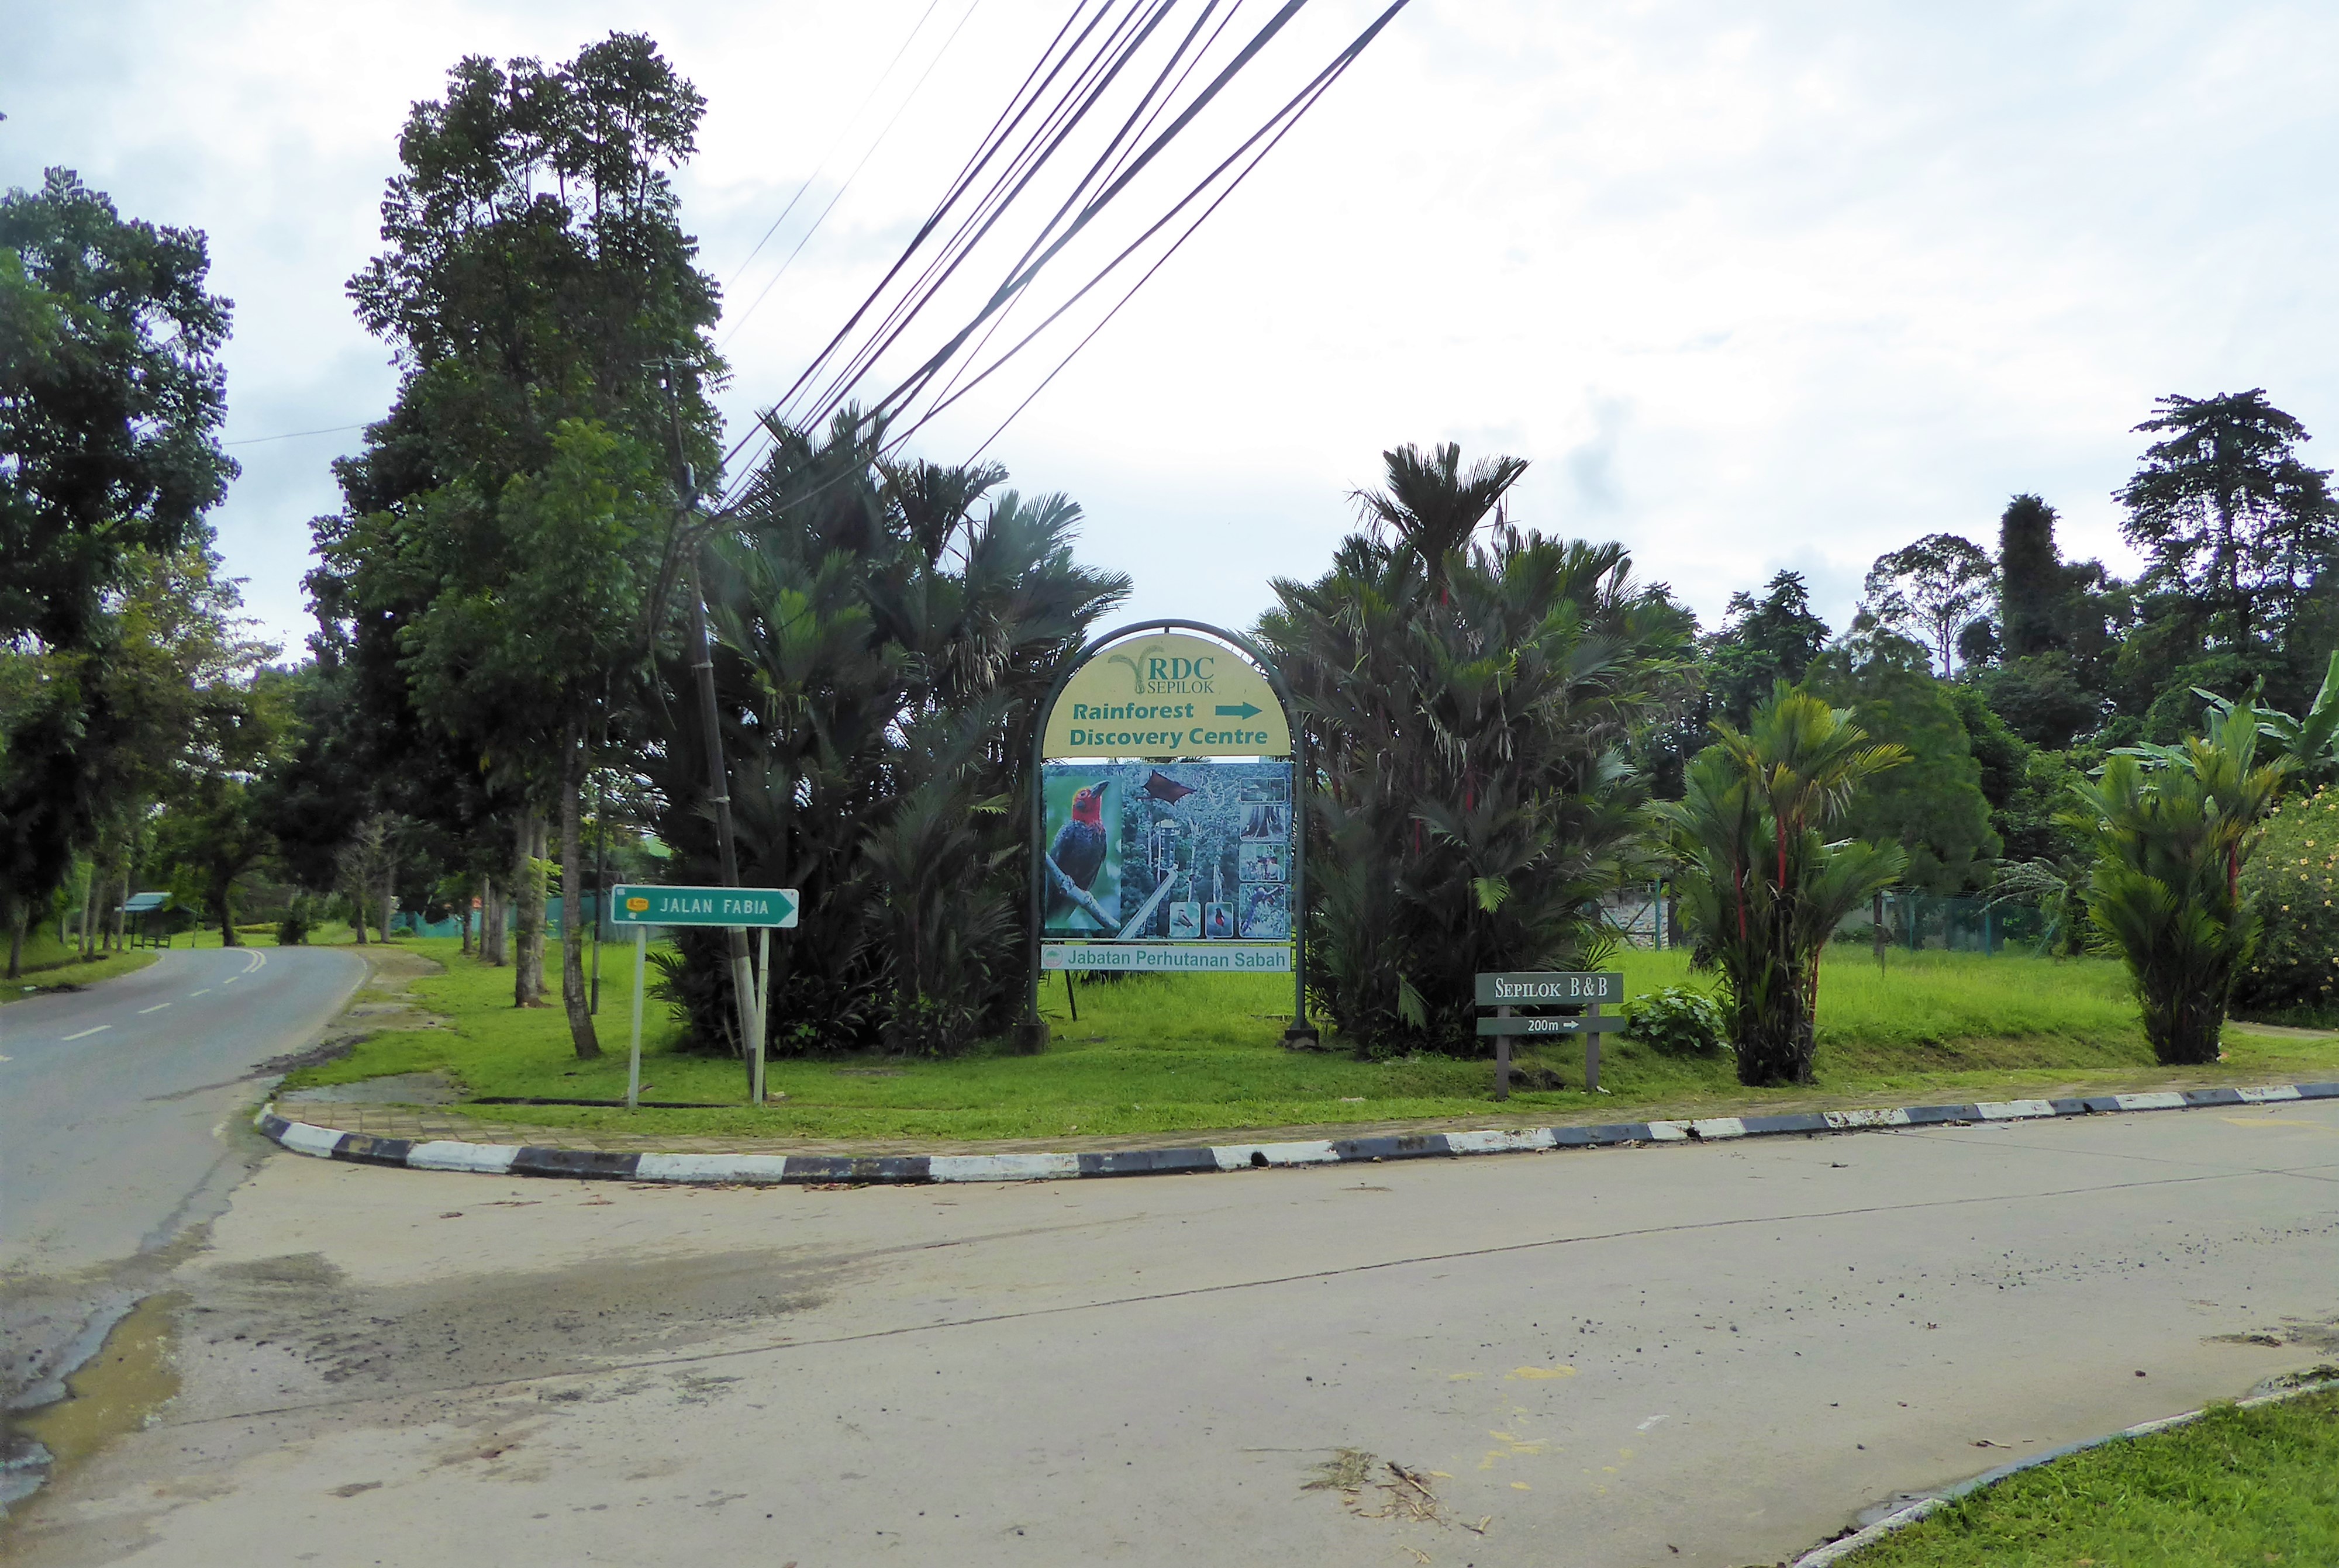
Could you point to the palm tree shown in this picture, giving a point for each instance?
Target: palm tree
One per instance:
(2170, 843)
(1763, 886)
(1468, 708)
(885, 631)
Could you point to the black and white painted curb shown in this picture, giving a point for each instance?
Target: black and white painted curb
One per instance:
(513, 1159)
(1836, 1551)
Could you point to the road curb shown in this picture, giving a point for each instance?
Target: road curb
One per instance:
(1836, 1551)
(518, 1159)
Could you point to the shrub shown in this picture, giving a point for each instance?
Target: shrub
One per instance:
(1678, 1021)
(2292, 883)
(2171, 844)
(298, 918)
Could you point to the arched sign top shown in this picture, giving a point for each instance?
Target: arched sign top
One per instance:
(1168, 694)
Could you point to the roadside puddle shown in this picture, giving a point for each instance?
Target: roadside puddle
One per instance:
(114, 1392)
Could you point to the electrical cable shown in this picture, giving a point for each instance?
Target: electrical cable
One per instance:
(805, 239)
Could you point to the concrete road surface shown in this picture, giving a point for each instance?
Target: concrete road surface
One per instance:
(1704, 1355)
(119, 1126)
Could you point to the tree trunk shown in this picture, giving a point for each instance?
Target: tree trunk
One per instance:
(122, 915)
(88, 897)
(528, 912)
(491, 924)
(223, 898)
(572, 899)
(16, 940)
(389, 891)
(465, 914)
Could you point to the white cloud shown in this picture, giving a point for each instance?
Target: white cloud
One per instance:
(1752, 289)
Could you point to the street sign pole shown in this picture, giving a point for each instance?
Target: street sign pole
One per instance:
(762, 1002)
(1502, 1060)
(634, 1060)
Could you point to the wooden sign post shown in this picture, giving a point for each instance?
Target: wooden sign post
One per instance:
(1586, 992)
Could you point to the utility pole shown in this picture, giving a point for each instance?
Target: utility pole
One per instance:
(718, 776)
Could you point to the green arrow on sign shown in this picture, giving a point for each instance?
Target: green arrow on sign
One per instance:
(1242, 711)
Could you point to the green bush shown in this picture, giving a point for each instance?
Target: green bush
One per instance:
(2292, 882)
(1678, 1021)
(300, 918)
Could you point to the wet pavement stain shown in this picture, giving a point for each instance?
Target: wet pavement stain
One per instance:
(114, 1392)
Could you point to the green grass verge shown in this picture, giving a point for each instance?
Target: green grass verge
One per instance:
(1189, 1052)
(48, 967)
(2236, 1487)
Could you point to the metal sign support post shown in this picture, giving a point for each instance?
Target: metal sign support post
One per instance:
(634, 1060)
(762, 1002)
(1503, 1060)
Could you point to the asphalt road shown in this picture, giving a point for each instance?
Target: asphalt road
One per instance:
(1706, 1356)
(117, 1125)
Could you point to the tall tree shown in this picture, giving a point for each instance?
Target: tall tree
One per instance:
(551, 323)
(2030, 582)
(2229, 514)
(1933, 806)
(1762, 642)
(110, 399)
(1932, 591)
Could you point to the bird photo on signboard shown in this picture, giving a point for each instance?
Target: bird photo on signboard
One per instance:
(1077, 857)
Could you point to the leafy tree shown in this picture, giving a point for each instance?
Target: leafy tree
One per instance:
(2166, 893)
(1932, 591)
(1764, 887)
(1761, 643)
(110, 399)
(1932, 805)
(1468, 708)
(551, 326)
(2228, 512)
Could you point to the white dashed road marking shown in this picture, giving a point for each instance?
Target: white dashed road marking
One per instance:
(156, 1008)
(86, 1033)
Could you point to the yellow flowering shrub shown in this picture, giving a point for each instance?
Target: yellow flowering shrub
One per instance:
(2292, 882)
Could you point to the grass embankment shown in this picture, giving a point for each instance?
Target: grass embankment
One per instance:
(1199, 1052)
(50, 965)
(2236, 1487)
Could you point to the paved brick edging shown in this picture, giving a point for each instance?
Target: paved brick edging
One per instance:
(1836, 1551)
(514, 1159)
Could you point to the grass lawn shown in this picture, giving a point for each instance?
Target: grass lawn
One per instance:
(1943, 1026)
(2236, 1487)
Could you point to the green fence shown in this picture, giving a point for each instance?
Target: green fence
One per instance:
(1645, 915)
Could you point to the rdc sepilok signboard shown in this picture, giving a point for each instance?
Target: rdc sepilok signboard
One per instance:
(1169, 694)
(1177, 849)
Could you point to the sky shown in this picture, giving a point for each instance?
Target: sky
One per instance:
(1752, 288)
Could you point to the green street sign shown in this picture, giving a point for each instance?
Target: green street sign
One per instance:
(1547, 1024)
(746, 906)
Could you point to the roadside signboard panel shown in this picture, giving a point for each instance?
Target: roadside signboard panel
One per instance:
(1167, 957)
(1551, 1024)
(1169, 694)
(1198, 852)
(1550, 989)
(719, 906)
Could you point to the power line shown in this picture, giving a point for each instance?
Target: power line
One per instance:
(293, 434)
